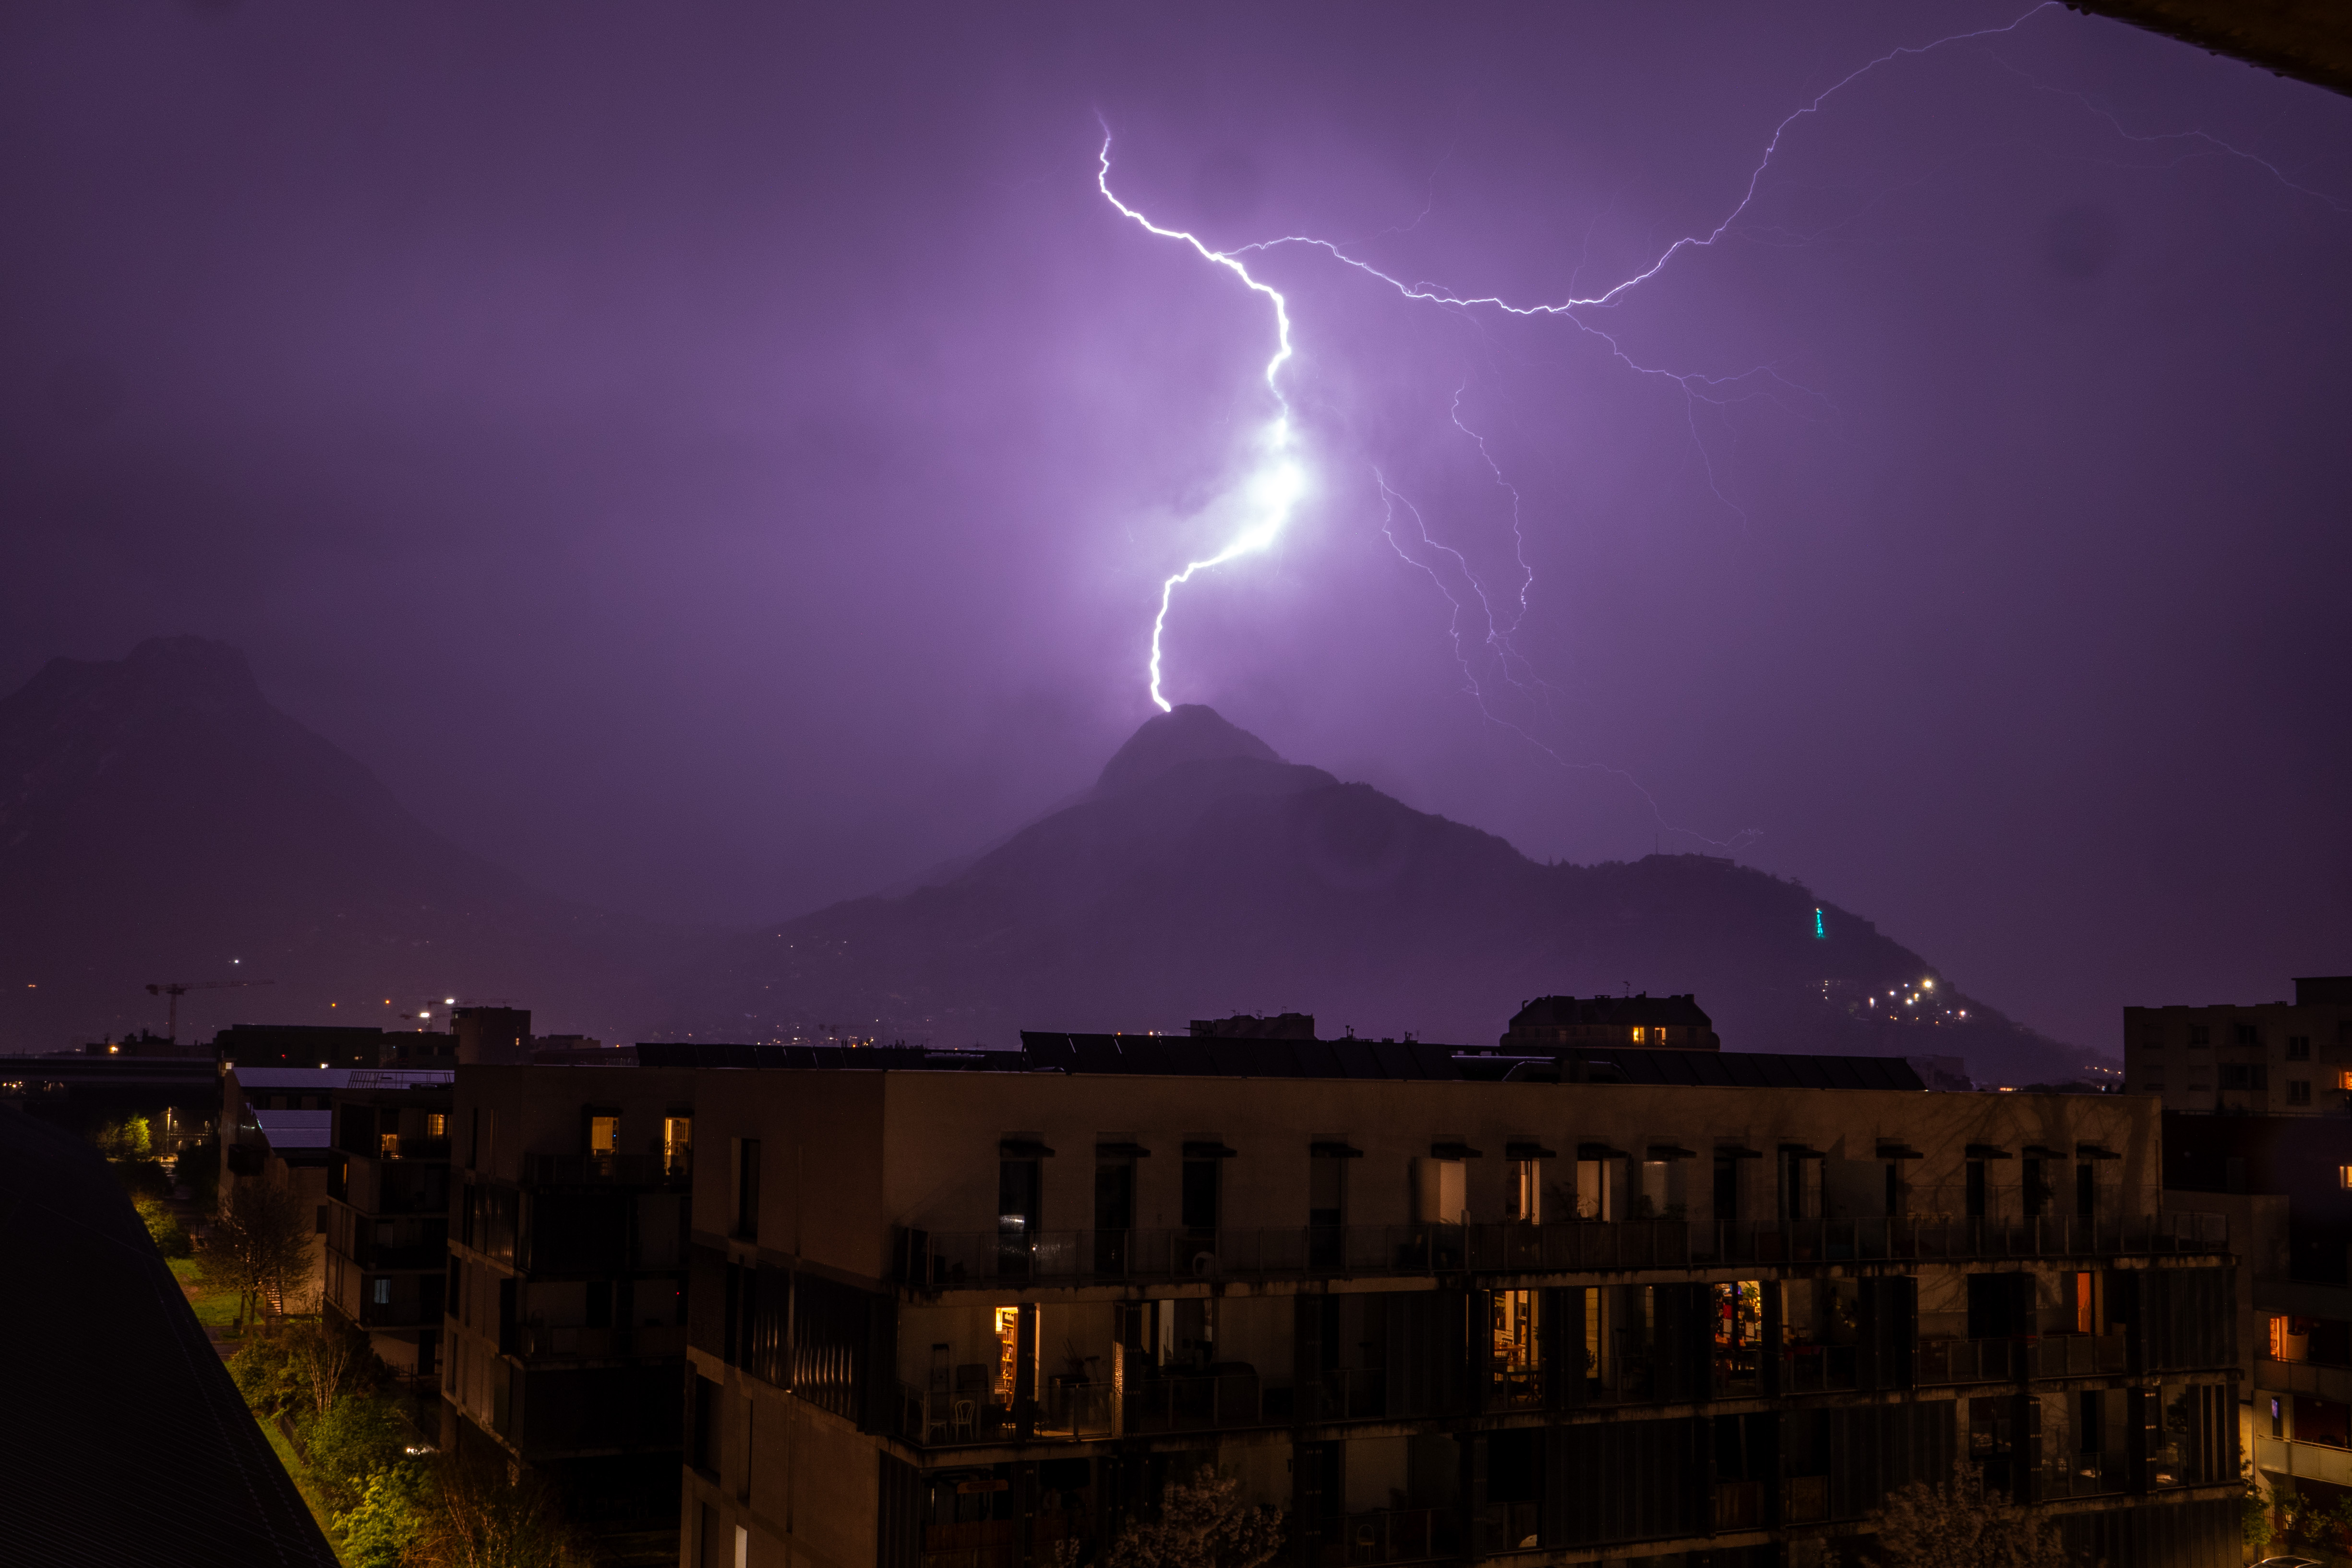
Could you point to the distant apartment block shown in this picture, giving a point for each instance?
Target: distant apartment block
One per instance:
(564, 1325)
(2263, 1059)
(387, 1237)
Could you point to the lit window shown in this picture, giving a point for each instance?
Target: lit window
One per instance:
(2344, 1176)
(603, 1134)
(436, 1124)
(678, 1141)
(388, 1145)
(1523, 1195)
(2344, 1081)
(383, 1293)
(1637, 1034)
(1008, 1352)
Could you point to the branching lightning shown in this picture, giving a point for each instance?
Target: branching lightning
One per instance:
(1270, 495)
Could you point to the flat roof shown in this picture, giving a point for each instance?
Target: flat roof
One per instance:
(1185, 1056)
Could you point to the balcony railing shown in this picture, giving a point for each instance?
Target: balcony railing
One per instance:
(937, 1260)
(1942, 1361)
(605, 1170)
(1398, 1535)
(566, 1341)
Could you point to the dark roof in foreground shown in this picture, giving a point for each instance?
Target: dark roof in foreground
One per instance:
(125, 1441)
(1184, 1056)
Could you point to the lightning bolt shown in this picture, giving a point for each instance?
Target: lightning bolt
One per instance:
(1269, 497)
(1271, 493)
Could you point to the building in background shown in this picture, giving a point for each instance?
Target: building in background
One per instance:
(276, 1129)
(564, 1328)
(2286, 1184)
(387, 1237)
(2262, 1058)
(973, 1310)
(1674, 1023)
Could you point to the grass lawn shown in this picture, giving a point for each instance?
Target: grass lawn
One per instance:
(215, 1309)
(285, 1452)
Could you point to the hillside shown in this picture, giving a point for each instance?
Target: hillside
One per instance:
(1204, 876)
(160, 818)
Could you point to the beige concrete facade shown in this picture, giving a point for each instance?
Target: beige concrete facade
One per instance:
(2266, 1059)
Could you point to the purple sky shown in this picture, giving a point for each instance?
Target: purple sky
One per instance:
(721, 460)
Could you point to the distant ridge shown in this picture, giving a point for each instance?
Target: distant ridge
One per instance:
(1204, 875)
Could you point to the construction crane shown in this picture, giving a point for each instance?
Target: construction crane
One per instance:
(175, 989)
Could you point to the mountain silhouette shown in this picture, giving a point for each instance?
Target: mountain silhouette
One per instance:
(159, 820)
(1204, 876)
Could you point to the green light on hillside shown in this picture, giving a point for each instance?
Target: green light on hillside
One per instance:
(1820, 932)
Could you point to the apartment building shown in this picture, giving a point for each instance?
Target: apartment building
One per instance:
(387, 1237)
(2285, 1183)
(565, 1327)
(2262, 1058)
(957, 1310)
(275, 1131)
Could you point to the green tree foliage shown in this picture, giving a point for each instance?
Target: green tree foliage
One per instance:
(1961, 1524)
(261, 1248)
(346, 1447)
(379, 1530)
(131, 1138)
(164, 1228)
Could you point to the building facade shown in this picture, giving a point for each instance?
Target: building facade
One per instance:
(1433, 1305)
(387, 1237)
(2262, 1058)
(564, 1328)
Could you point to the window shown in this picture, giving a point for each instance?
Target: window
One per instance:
(747, 1188)
(2153, 1083)
(2344, 1081)
(603, 1134)
(1637, 1034)
(383, 1297)
(677, 1145)
(2298, 1048)
(1976, 1193)
(322, 1220)
(1327, 1191)
(436, 1123)
(1199, 1197)
(2252, 1075)
(2198, 1034)
(2344, 1176)
(1517, 1366)
(2246, 1034)
(388, 1145)
(1523, 1191)
(2298, 1091)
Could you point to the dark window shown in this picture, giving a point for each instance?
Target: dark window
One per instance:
(2298, 1091)
(1020, 1212)
(2086, 1189)
(2247, 1034)
(1893, 1186)
(2037, 1190)
(600, 1303)
(1327, 1187)
(1976, 1189)
(1727, 1186)
(1199, 1195)
(2298, 1048)
(747, 1190)
(2248, 1075)
(2199, 1035)
(322, 1220)
(474, 1139)
(1114, 1191)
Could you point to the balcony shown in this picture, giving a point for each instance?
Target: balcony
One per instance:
(946, 1260)
(2304, 1377)
(1397, 1535)
(606, 1170)
(1949, 1361)
(566, 1341)
(2304, 1461)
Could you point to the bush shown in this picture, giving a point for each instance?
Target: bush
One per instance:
(359, 1437)
(379, 1531)
(266, 1375)
(163, 1228)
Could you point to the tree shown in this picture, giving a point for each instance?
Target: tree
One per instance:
(163, 1227)
(481, 1515)
(1962, 1525)
(261, 1247)
(329, 1360)
(129, 1139)
(1203, 1524)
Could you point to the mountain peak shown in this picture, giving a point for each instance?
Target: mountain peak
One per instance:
(1189, 732)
